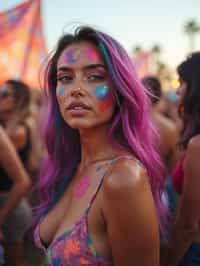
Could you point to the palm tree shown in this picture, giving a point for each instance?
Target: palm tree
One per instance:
(155, 51)
(137, 49)
(191, 28)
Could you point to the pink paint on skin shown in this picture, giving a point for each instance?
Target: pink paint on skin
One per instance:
(92, 54)
(81, 188)
(105, 105)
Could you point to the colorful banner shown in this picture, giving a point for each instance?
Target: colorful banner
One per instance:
(142, 64)
(22, 45)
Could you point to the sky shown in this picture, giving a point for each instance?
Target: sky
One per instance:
(131, 22)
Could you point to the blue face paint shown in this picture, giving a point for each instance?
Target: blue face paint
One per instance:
(101, 92)
(172, 96)
(60, 91)
(72, 55)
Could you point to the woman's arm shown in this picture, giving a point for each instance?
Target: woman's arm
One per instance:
(130, 216)
(186, 225)
(11, 163)
(19, 136)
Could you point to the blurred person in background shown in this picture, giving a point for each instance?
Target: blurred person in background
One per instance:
(15, 214)
(38, 152)
(169, 108)
(184, 245)
(19, 123)
(167, 129)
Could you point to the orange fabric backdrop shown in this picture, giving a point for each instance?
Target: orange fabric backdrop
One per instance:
(22, 45)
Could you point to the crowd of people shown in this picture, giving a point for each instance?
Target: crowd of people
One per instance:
(101, 167)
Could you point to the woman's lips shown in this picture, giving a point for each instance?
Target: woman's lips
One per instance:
(78, 109)
(77, 106)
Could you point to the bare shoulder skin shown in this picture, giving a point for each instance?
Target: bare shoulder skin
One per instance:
(19, 136)
(186, 227)
(130, 215)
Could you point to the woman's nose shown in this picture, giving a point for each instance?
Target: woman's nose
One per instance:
(77, 92)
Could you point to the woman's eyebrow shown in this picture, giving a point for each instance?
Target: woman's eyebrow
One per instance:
(86, 67)
(93, 66)
(64, 68)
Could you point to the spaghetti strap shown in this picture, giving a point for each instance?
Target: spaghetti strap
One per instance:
(113, 161)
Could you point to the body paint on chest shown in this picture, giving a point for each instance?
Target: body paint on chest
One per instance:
(81, 188)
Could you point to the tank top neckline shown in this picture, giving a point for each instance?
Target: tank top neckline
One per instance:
(82, 221)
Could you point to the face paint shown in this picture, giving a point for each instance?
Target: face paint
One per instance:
(60, 91)
(81, 188)
(72, 55)
(102, 92)
(92, 55)
(105, 105)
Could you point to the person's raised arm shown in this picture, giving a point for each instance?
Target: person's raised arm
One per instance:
(130, 216)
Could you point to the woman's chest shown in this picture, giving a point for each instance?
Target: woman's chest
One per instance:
(69, 210)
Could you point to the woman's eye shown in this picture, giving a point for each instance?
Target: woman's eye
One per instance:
(96, 78)
(65, 78)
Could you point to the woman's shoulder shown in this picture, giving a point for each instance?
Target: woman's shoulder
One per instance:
(19, 135)
(127, 175)
(3, 136)
(194, 141)
(191, 158)
(194, 145)
(2, 131)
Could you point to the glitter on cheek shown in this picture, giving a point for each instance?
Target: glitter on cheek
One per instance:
(60, 91)
(102, 92)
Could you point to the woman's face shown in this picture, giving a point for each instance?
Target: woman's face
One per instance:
(7, 101)
(84, 89)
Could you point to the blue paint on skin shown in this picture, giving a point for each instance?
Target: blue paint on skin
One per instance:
(101, 92)
(60, 91)
(72, 55)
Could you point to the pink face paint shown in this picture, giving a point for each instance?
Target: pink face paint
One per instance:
(72, 55)
(81, 188)
(92, 55)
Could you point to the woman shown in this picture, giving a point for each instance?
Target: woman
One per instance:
(100, 186)
(184, 247)
(167, 129)
(14, 184)
(15, 116)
